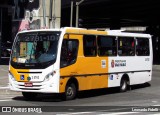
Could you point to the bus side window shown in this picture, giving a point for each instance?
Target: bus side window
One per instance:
(126, 46)
(107, 46)
(89, 46)
(142, 47)
(69, 52)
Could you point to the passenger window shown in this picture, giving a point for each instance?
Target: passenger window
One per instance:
(126, 46)
(107, 46)
(142, 47)
(89, 45)
(69, 52)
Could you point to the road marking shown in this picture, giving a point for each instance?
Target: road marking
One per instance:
(6, 100)
(7, 97)
(155, 105)
(120, 113)
(3, 77)
(4, 70)
(7, 87)
(154, 101)
(76, 113)
(109, 112)
(92, 112)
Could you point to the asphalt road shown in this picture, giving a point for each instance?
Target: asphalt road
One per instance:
(104, 101)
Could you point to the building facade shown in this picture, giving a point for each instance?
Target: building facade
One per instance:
(18, 15)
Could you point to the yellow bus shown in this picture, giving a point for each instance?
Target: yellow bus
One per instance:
(69, 60)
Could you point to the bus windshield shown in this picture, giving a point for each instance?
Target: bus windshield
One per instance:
(34, 48)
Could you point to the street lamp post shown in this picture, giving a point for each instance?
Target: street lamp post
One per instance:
(77, 11)
(0, 31)
(71, 18)
(50, 14)
(44, 12)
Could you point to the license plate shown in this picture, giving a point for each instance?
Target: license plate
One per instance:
(28, 84)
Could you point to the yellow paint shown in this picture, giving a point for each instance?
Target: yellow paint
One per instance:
(85, 31)
(65, 36)
(93, 32)
(23, 48)
(89, 65)
(14, 59)
(63, 82)
(92, 82)
(76, 31)
(17, 75)
(85, 65)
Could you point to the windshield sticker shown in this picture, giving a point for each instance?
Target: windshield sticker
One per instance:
(111, 77)
(103, 63)
(21, 77)
(28, 78)
(112, 64)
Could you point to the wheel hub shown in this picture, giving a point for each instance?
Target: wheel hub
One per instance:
(69, 91)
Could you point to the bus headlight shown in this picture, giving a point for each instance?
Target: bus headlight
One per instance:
(11, 76)
(49, 76)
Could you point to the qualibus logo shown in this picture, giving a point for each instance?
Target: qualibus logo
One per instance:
(112, 63)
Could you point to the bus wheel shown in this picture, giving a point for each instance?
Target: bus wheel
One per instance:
(70, 91)
(29, 95)
(123, 85)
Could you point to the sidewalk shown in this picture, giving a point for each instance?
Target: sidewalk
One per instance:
(156, 67)
(4, 88)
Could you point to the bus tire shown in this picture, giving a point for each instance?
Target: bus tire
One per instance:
(29, 95)
(123, 85)
(70, 91)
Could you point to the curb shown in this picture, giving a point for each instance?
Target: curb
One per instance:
(4, 88)
(156, 68)
(7, 91)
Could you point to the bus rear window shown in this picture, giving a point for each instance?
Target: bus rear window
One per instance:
(142, 47)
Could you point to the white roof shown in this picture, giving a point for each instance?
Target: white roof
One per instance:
(126, 34)
(109, 32)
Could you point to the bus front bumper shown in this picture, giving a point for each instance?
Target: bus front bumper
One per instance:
(40, 87)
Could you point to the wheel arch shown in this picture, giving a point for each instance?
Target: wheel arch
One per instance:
(73, 80)
(126, 77)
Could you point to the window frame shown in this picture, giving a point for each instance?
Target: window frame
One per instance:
(142, 47)
(94, 47)
(112, 47)
(75, 60)
(124, 47)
